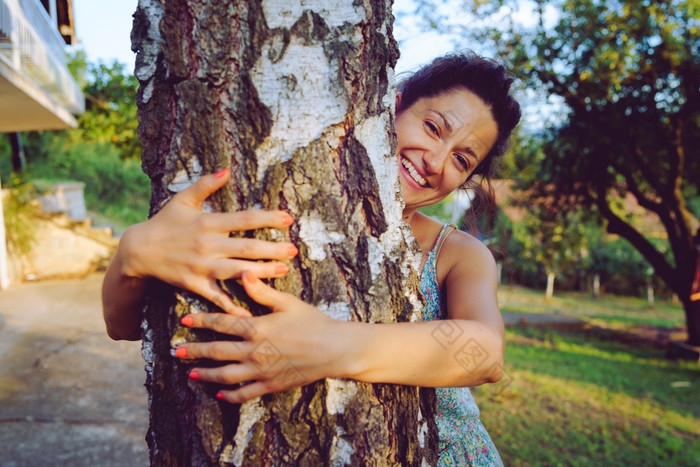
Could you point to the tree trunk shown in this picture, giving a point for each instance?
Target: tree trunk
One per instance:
(298, 102)
(549, 293)
(596, 285)
(692, 318)
(691, 305)
(678, 277)
(18, 159)
(650, 295)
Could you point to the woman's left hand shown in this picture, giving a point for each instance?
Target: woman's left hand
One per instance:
(295, 345)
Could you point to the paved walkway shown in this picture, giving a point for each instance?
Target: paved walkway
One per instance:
(68, 394)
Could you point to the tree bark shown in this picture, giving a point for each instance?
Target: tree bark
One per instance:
(549, 291)
(298, 102)
(596, 285)
(18, 159)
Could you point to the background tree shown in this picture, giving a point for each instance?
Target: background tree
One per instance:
(110, 107)
(110, 112)
(627, 73)
(296, 100)
(549, 237)
(104, 152)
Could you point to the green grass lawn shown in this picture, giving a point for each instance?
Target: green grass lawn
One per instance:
(582, 398)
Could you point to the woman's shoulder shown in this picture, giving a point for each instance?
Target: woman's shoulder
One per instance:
(426, 230)
(463, 251)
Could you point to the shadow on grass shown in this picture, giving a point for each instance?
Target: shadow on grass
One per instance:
(608, 308)
(555, 422)
(639, 373)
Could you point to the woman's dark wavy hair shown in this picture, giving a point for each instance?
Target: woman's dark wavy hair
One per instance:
(490, 81)
(484, 77)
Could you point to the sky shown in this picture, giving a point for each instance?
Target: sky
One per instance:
(103, 27)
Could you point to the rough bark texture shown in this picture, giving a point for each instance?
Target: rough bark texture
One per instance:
(297, 98)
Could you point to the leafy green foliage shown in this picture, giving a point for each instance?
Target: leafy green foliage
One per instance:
(628, 73)
(116, 188)
(103, 152)
(18, 214)
(110, 111)
(5, 159)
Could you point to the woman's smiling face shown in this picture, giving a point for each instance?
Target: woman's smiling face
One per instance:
(441, 140)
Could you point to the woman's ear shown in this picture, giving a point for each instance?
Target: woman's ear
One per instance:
(398, 101)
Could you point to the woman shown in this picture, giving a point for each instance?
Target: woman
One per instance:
(453, 117)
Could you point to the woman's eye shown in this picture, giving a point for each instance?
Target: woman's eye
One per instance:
(433, 129)
(462, 161)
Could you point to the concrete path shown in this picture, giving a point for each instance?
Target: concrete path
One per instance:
(69, 395)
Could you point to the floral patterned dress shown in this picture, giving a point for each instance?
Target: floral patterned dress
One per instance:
(463, 439)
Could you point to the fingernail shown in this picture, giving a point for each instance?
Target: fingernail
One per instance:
(219, 395)
(187, 320)
(249, 277)
(293, 251)
(287, 220)
(181, 352)
(221, 173)
(281, 269)
(194, 374)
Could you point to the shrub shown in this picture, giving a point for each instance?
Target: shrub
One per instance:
(115, 188)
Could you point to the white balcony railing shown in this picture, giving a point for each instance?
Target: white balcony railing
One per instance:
(32, 46)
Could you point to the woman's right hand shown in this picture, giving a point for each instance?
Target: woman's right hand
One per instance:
(191, 249)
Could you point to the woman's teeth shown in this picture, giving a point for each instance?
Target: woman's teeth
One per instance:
(414, 174)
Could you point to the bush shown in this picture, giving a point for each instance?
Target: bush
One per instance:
(114, 188)
(19, 216)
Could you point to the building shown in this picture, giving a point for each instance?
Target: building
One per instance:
(36, 90)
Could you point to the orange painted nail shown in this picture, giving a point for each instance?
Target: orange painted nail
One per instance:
(287, 220)
(221, 173)
(194, 374)
(281, 269)
(187, 320)
(249, 277)
(293, 251)
(181, 352)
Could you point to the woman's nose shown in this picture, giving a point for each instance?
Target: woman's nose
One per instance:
(435, 160)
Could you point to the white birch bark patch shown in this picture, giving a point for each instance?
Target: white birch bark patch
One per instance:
(284, 13)
(301, 97)
(316, 236)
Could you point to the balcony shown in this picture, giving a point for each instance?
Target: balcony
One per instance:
(36, 90)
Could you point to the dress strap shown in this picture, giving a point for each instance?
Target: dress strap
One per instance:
(433, 253)
(446, 231)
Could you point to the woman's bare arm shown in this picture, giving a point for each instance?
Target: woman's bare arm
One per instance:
(189, 249)
(465, 350)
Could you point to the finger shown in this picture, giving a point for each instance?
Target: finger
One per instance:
(250, 220)
(233, 373)
(263, 293)
(200, 190)
(244, 393)
(221, 323)
(251, 248)
(210, 290)
(234, 269)
(222, 351)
